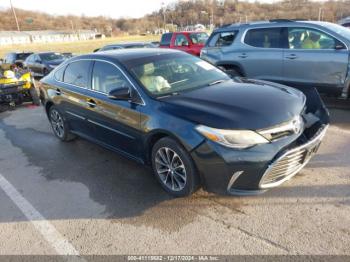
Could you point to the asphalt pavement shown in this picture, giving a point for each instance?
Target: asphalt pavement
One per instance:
(79, 198)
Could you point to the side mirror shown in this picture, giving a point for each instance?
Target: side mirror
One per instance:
(339, 47)
(122, 93)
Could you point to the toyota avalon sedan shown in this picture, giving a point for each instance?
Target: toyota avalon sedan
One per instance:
(193, 124)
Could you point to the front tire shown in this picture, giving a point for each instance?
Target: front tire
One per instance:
(59, 125)
(45, 72)
(174, 168)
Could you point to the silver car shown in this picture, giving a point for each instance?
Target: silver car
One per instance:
(295, 53)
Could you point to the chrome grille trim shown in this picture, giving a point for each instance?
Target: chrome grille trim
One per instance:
(291, 162)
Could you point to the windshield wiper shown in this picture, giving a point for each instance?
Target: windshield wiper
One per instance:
(168, 95)
(217, 82)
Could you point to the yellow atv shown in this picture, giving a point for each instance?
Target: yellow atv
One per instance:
(16, 88)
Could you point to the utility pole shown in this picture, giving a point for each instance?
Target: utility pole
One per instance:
(320, 14)
(164, 10)
(14, 14)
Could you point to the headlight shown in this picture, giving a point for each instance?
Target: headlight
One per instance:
(239, 139)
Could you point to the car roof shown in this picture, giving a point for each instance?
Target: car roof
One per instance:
(45, 53)
(272, 23)
(127, 44)
(19, 53)
(123, 55)
(189, 32)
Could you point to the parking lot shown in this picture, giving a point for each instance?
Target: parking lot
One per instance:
(79, 198)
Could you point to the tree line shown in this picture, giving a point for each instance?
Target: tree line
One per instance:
(181, 14)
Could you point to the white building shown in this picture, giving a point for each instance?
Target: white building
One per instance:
(27, 37)
(13, 38)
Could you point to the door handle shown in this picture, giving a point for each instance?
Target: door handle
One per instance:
(292, 56)
(58, 92)
(91, 103)
(244, 55)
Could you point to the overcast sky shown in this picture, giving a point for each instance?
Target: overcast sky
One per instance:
(111, 8)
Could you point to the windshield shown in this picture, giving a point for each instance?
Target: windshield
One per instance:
(199, 38)
(51, 56)
(23, 56)
(341, 30)
(177, 74)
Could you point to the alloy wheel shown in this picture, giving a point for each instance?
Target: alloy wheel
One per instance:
(57, 123)
(170, 169)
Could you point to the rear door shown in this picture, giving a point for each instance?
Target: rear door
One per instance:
(262, 54)
(75, 95)
(197, 42)
(314, 58)
(116, 123)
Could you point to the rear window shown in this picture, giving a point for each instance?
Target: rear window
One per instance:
(166, 39)
(264, 38)
(59, 74)
(222, 39)
(10, 58)
(107, 48)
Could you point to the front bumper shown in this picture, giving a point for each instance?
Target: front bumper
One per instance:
(7, 91)
(255, 170)
(291, 162)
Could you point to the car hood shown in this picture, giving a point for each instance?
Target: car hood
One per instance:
(247, 104)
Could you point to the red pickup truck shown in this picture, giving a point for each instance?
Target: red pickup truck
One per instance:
(190, 42)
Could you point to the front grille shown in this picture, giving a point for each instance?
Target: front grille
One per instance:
(291, 162)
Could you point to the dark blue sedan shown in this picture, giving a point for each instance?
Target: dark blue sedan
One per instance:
(186, 118)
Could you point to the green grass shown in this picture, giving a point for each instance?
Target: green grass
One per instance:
(79, 47)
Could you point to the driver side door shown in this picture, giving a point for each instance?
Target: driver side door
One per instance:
(36, 65)
(320, 62)
(115, 123)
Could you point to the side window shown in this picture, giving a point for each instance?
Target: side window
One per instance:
(264, 38)
(37, 58)
(166, 39)
(108, 48)
(32, 58)
(29, 58)
(222, 39)
(106, 77)
(307, 38)
(77, 73)
(59, 73)
(181, 40)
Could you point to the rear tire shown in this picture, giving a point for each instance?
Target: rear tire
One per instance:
(174, 168)
(59, 125)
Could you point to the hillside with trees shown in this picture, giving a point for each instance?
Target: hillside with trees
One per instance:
(181, 14)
